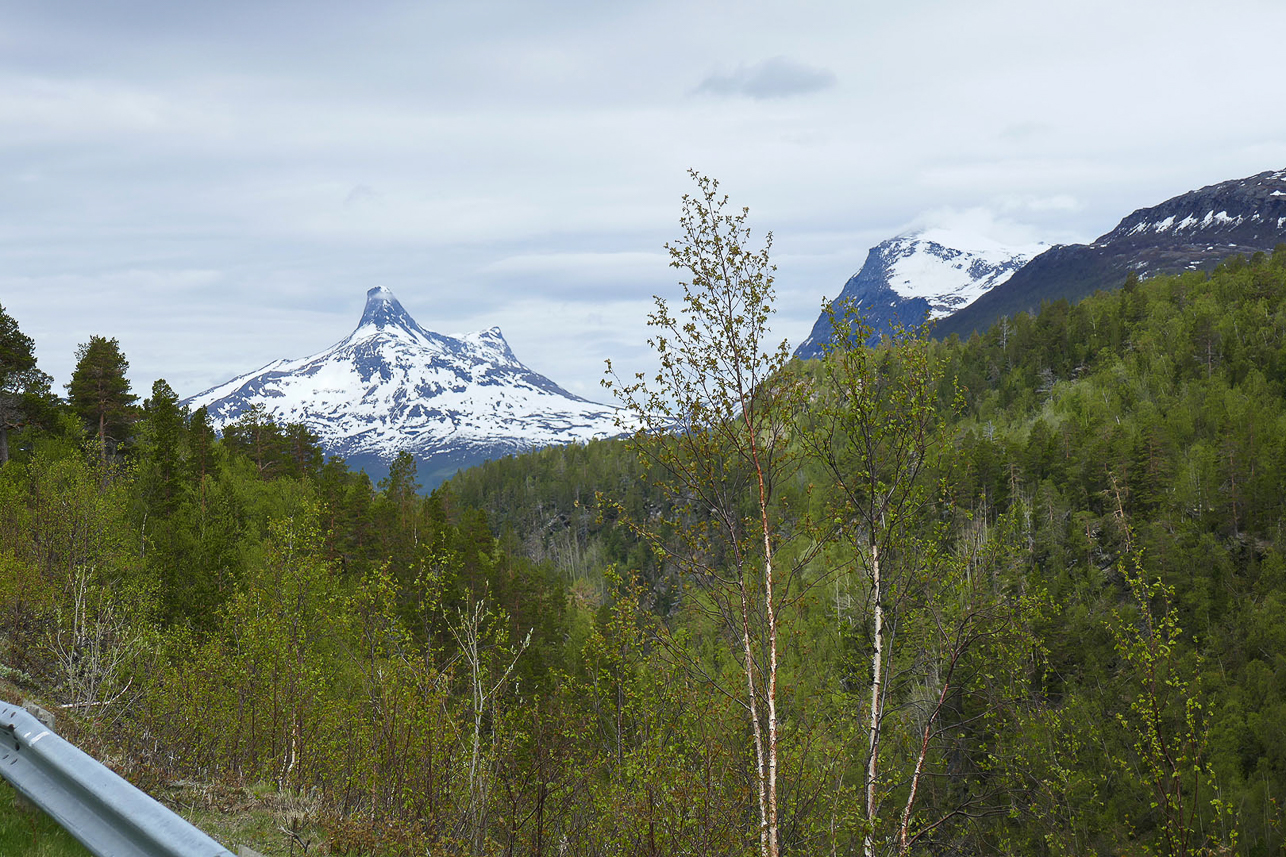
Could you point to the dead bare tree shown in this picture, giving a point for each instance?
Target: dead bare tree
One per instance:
(95, 646)
(471, 630)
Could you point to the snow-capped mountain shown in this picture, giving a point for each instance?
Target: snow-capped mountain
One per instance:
(392, 385)
(1193, 231)
(921, 275)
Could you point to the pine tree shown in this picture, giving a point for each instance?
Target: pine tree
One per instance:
(23, 387)
(304, 454)
(99, 392)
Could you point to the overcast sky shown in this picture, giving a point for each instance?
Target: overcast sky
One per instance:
(217, 184)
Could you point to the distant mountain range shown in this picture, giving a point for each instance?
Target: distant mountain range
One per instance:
(392, 385)
(453, 402)
(908, 279)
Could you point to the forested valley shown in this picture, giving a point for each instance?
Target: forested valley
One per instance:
(1020, 594)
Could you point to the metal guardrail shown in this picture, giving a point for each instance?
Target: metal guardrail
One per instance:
(108, 815)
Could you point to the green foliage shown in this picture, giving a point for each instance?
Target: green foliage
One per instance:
(712, 431)
(289, 451)
(1167, 723)
(511, 665)
(99, 393)
(544, 507)
(24, 389)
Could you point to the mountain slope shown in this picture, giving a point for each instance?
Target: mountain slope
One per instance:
(392, 385)
(1193, 231)
(928, 274)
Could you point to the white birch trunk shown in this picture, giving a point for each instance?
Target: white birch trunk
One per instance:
(754, 721)
(877, 683)
(772, 714)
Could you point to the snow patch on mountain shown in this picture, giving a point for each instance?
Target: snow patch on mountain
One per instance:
(951, 269)
(921, 276)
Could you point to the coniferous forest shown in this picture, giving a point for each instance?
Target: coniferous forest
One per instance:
(1020, 594)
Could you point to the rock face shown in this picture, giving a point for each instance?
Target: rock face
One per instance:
(1194, 231)
(391, 386)
(922, 275)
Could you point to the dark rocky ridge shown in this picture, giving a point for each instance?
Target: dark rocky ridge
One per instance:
(1193, 231)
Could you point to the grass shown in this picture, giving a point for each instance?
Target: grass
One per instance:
(272, 823)
(25, 831)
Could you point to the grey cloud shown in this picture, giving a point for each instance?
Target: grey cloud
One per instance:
(361, 193)
(778, 77)
(1020, 132)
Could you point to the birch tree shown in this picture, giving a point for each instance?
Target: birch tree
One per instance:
(872, 428)
(712, 429)
(939, 616)
(477, 633)
(1167, 722)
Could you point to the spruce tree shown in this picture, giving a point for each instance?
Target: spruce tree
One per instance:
(163, 447)
(201, 438)
(99, 392)
(23, 387)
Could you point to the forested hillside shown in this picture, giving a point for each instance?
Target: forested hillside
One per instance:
(1081, 635)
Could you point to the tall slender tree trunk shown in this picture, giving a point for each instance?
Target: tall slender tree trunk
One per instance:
(904, 833)
(751, 695)
(772, 692)
(773, 837)
(771, 845)
(877, 686)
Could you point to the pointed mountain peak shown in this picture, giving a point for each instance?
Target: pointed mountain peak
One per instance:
(383, 310)
(393, 386)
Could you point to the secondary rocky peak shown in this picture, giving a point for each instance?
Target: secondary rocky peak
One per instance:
(491, 342)
(1242, 212)
(919, 275)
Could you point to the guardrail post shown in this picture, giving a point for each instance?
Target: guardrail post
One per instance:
(39, 713)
